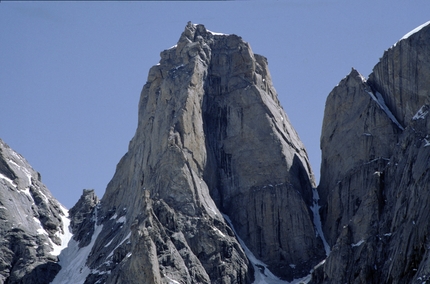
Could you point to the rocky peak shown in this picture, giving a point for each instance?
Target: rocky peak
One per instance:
(212, 141)
(401, 75)
(33, 224)
(81, 217)
(375, 173)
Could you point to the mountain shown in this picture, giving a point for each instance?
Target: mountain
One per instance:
(375, 170)
(212, 144)
(216, 186)
(33, 225)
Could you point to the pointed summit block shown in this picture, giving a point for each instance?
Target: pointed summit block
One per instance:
(212, 139)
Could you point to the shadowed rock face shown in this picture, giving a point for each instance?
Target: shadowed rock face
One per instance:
(375, 171)
(30, 222)
(212, 138)
(257, 169)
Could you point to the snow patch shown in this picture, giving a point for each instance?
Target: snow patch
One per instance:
(113, 217)
(381, 103)
(126, 238)
(73, 260)
(65, 236)
(220, 34)
(218, 231)
(45, 197)
(358, 244)
(22, 169)
(108, 244)
(317, 220)
(121, 219)
(170, 280)
(41, 230)
(417, 29)
(8, 180)
(26, 191)
(421, 113)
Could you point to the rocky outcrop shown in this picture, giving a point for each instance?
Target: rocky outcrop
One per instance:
(32, 223)
(81, 217)
(212, 139)
(375, 171)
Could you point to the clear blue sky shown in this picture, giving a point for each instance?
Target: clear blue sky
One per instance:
(71, 72)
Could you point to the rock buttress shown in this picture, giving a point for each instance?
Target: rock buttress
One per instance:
(212, 138)
(375, 171)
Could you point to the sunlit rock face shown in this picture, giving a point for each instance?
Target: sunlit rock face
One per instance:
(375, 170)
(216, 186)
(212, 139)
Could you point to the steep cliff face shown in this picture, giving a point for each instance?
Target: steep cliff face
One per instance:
(33, 225)
(212, 139)
(375, 170)
(216, 186)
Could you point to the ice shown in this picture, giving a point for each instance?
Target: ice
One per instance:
(381, 103)
(317, 219)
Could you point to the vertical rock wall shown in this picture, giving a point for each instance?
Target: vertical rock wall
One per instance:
(375, 170)
(212, 138)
